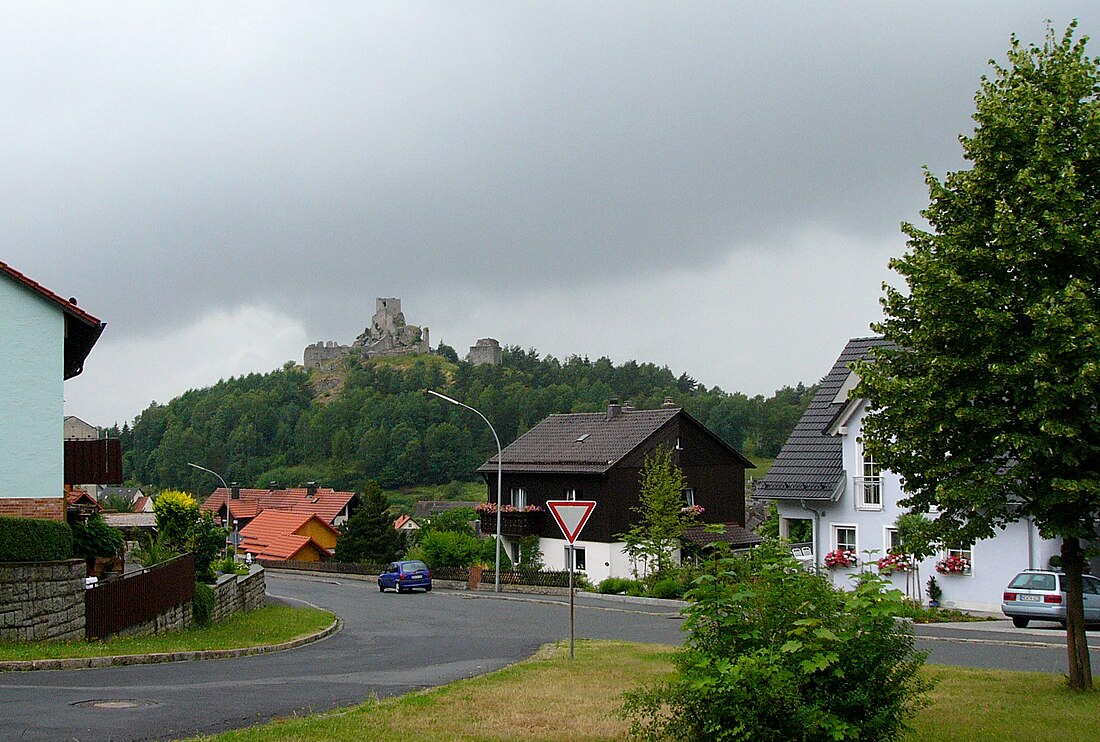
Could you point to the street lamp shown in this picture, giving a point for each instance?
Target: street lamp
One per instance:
(496, 569)
(228, 515)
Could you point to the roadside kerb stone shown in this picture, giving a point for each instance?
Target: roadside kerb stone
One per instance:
(81, 663)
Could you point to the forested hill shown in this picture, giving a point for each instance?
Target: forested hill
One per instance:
(373, 419)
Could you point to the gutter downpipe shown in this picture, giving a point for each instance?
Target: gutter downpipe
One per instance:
(817, 532)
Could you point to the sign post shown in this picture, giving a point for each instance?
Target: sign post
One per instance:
(571, 515)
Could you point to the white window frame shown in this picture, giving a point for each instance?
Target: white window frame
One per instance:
(571, 493)
(889, 539)
(967, 552)
(867, 486)
(519, 497)
(578, 556)
(834, 534)
(689, 496)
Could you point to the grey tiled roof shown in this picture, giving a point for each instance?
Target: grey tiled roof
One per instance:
(810, 466)
(732, 534)
(585, 442)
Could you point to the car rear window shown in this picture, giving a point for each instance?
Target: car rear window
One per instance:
(1030, 581)
(415, 566)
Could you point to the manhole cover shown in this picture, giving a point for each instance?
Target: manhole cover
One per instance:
(116, 703)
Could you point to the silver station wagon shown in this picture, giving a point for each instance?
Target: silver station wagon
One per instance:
(1040, 595)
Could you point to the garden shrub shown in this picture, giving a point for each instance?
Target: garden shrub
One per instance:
(667, 588)
(34, 540)
(94, 538)
(450, 549)
(202, 605)
(776, 653)
(619, 585)
(176, 513)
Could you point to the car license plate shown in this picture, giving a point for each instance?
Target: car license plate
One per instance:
(1029, 598)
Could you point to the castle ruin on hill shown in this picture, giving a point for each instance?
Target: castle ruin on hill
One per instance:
(387, 335)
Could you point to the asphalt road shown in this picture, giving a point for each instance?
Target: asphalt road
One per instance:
(392, 644)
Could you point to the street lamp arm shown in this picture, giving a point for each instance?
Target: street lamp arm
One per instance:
(210, 471)
(500, 457)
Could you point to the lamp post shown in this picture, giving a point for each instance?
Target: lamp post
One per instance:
(228, 515)
(496, 566)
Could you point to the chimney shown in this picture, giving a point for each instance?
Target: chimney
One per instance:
(273, 485)
(234, 491)
(669, 403)
(613, 409)
(311, 489)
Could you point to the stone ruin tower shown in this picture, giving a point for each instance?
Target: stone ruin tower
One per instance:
(387, 335)
(485, 351)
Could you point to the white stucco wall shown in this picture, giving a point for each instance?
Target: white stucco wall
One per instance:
(995, 561)
(32, 356)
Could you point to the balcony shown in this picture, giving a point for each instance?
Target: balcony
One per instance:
(93, 462)
(867, 492)
(514, 523)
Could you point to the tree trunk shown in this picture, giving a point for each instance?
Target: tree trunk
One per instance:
(1073, 562)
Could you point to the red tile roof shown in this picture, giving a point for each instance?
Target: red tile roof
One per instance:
(81, 497)
(325, 502)
(80, 335)
(273, 534)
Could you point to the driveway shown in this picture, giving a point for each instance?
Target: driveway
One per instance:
(391, 644)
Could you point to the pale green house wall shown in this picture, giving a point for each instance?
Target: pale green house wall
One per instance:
(32, 356)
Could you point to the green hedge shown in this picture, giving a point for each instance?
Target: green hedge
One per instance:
(34, 540)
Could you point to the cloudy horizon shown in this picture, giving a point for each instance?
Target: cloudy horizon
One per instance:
(714, 187)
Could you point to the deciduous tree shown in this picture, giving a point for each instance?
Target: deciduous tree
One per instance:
(988, 406)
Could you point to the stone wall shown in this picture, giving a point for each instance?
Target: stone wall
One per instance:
(486, 351)
(174, 619)
(237, 593)
(42, 600)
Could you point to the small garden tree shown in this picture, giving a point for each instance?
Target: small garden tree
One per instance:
(662, 516)
(175, 513)
(776, 653)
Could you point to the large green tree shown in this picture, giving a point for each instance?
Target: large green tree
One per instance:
(987, 408)
(662, 517)
(369, 535)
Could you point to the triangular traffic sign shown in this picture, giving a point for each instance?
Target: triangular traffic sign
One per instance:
(571, 515)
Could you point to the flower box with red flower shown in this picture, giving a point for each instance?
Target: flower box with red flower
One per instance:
(840, 558)
(953, 564)
(517, 522)
(895, 563)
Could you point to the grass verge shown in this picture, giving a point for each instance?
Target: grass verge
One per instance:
(269, 625)
(551, 697)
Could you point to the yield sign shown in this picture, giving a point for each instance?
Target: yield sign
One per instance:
(571, 515)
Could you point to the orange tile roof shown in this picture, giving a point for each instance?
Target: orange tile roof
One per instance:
(326, 503)
(273, 532)
(81, 497)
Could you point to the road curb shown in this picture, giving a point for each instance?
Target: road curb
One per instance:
(84, 663)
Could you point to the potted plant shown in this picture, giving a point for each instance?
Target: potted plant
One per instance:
(935, 592)
(840, 558)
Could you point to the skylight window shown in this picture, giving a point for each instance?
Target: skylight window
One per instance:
(583, 438)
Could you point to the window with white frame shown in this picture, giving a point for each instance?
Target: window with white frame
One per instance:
(868, 485)
(891, 543)
(579, 562)
(958, 559)
(844, 538)
(689, 496)
(571, 494)
(519, 498)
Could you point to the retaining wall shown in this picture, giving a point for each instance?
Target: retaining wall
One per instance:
(236, 593)
(42, 600)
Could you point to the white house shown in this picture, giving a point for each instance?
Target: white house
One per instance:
(822, 476)
(44, 340)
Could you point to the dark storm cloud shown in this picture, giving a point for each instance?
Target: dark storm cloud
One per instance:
(172, 159)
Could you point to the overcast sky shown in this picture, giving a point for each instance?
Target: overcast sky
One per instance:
(715, 187)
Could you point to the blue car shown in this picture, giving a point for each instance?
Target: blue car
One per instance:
(402, 576)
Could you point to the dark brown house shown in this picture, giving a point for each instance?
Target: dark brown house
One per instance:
(599, 456)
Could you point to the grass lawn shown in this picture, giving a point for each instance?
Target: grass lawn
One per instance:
(551, 697)
(268, 625)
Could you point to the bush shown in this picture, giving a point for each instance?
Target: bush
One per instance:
(34, 540)
(176, 513)
(621, 585)
(202, 605)
(776, 653)
(450, 549)
(667, 588)
(94, 538)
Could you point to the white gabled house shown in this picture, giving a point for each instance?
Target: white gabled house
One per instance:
(823, 476)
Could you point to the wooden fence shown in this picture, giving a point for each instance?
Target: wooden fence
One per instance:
(113, 605)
